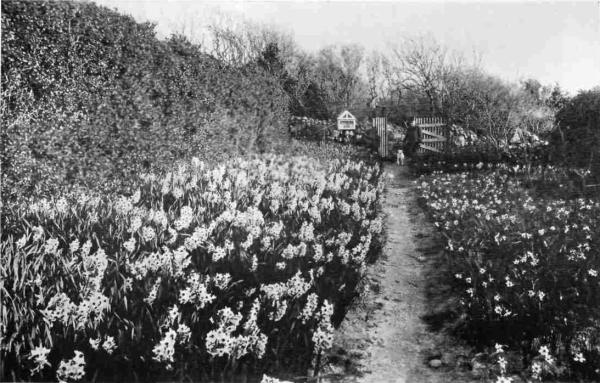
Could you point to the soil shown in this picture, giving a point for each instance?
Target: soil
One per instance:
(385, 337)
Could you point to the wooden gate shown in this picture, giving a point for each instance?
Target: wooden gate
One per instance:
(380, 124)
(434, 134)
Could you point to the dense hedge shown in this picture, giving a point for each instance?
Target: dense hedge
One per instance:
(577, 137)
(90, 97)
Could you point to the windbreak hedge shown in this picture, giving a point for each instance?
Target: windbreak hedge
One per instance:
(576, 140)
(90, 98)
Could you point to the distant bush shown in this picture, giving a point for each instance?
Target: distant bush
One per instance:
(481, 155)
(329, 150)
(577, 137)
(90, 98)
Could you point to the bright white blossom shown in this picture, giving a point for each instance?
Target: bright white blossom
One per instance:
(164, 351)
(109, 344)
(72, 369)
(39, 355)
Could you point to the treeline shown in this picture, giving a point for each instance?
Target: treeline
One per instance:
(417, 76)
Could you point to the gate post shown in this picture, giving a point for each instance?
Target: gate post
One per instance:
(380, 123)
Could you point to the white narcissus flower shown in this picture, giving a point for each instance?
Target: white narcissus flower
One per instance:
(21, 242)
(164, 351)
(268, 379)
(218, 254)
(51, 246)
(61, 205)
(73, 369)
(222, 280)
(74, 246)
(94, 343)
(38, 233)
(85, 249)
(130, 244)
(135, 198)
(39, 355)
(280, 265)
(579, 357)
(184, 333)
(136, 223)
(148, 233)
(109, 345)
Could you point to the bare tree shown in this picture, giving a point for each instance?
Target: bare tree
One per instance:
(351, 60)
(421, 64)
(237, 41)
(301, 67)
(376, 78)
(392, 80)
(338, 74)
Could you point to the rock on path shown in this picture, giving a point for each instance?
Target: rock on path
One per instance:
(383, 338)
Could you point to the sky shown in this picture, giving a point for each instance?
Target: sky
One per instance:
(554, 42)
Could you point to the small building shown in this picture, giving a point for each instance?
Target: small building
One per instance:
(346, 122)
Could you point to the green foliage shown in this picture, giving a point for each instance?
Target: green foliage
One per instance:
(90, 98)
(525, 266)
(329, 150)
(312, 103)
(577, 136)
(258, 239)
(479, 155)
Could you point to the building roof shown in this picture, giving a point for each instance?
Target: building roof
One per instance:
(345, 115)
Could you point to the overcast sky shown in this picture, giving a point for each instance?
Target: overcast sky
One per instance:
(551, 41)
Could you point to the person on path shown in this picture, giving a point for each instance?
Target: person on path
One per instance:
(412, 141)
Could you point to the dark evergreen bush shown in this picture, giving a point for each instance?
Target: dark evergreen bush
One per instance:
(91, 97)
(576, 139)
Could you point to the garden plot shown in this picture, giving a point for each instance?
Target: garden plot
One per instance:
(242, 268)
(525, 268)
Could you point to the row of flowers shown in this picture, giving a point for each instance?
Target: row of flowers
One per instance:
(525, 267)
(246, 266)
(484, 153)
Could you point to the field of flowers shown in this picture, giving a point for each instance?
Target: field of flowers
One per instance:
(241, 268)
(525, 265)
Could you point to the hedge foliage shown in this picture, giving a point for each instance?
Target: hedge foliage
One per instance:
(577, 136)
(91, 97)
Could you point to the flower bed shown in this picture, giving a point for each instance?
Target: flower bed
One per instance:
(483, 154)
(241, 268)
(525, 266)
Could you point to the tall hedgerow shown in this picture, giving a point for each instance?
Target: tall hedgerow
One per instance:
(89, 97)
(576, 139)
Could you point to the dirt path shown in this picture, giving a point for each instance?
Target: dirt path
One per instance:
(384, 338)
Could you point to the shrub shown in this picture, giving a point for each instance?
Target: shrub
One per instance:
(576, 139)
(329, 150)
(237, 268)
(91, 98)
(482, 154)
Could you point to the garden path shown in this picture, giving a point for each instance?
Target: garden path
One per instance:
(383, 337)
